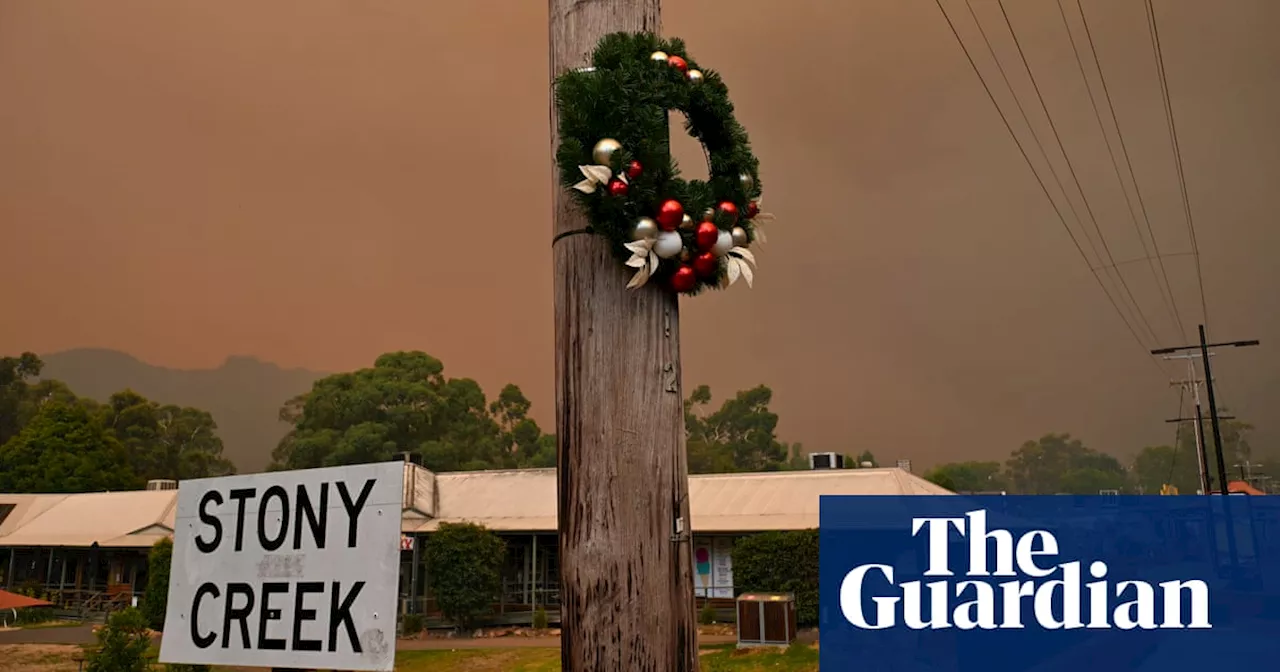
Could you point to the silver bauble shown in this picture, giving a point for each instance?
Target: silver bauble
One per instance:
(740, 238)
(658, 56)
(694, 76)
(604, 150)
(708, 215)
(748, 182)
(645, 229)
(686, 223)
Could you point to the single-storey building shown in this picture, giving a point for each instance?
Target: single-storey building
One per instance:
(90, 550)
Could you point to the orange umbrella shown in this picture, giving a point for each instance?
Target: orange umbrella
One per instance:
(10, 600)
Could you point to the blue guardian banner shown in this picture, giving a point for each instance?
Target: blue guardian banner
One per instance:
(1049, 583)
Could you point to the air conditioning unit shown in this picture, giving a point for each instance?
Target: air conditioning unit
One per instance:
(162, 484)
(826, 461)
(905, 465)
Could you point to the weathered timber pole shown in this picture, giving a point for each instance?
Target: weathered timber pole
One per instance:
(626, 567)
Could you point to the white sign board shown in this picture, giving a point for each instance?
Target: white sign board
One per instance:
(296, 569)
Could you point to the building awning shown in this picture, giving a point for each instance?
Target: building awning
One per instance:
(10, 600)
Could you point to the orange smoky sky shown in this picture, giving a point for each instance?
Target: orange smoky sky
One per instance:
(315, 182)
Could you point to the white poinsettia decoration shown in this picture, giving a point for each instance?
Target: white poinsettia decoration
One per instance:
(596, 176)
(738, 263)
(757, 222)
(644, 259)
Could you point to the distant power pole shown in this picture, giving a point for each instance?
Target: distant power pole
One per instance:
(626, 563)
(1223, 484)
(1193, 385)
(1203, 346)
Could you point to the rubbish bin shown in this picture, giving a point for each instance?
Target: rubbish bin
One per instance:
(766, 619)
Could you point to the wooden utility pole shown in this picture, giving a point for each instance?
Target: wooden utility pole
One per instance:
(626, 567)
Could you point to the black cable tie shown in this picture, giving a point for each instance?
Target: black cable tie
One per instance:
(566, 234)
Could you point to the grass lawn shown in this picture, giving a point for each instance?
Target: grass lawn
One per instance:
(723, 658)
(726, 658)
(51, 624)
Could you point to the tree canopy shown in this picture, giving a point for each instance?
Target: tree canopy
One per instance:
(65, 449)
(1179, 464)
(53, 441)
(405, 403)
(972, 476)
(740, 436)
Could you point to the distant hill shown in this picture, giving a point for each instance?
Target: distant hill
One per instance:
(244, 394)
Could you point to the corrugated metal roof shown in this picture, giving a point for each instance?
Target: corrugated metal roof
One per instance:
(510, 501)
(83, 519)
(525, 499)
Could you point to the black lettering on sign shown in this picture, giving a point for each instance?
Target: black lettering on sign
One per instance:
(234, 613)
(202, 641)
(341, 614)
(210, 520)
(301, 615)
(278, 493)
(268, 614)
(241, 495)
(353, 509)
(316, 520)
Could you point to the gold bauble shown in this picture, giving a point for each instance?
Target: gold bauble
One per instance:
(645, 229)
(748, 182)
(686, 223)
(739, 235)
(708, 215)
(658, 56)
(695, 76)
(604, 150)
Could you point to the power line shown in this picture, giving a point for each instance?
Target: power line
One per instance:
(1115, 163)
(1124, 150)
(1071, 169)
(1039, 180)
(1138, 260)
(1026, 119)
(1154, 30)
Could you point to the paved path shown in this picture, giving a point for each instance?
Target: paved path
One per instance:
(75, 634)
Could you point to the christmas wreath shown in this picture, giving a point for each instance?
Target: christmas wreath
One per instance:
(615, 157)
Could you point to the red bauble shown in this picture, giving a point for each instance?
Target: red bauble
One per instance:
(634, 169)
(669, 214)
(753, 209)
(706, 235)
(730, 212)
(683, 279)
(617, 188)
(706, 264)
(678, 63)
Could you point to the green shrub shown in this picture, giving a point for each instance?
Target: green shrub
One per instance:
(464, 563)
(123, 644)
(183, 667)
(540, 618)
(155, 601)
(410, 624)
(34, 615)
(708, 614)
(781, 562)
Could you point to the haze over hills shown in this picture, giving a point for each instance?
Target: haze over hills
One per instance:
(244, 394)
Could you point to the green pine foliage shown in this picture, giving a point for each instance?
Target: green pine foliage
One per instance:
(464, 564)
(781, 562)
(626, 98)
